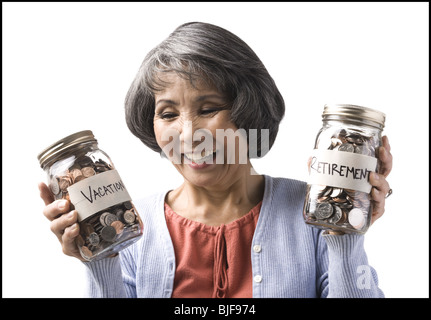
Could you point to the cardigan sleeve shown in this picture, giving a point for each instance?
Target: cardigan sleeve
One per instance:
(343, 268)
(111, 277)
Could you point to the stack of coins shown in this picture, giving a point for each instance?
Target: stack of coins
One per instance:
(104, 228)
(82, 168)
(337, 208)
(350, 141)
(110, 225)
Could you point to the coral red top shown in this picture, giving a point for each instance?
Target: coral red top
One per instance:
(212, 261)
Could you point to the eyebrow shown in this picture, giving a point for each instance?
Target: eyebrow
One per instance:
(198, 99)
(209, 96)
(168, 101)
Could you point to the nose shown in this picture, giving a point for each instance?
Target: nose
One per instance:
(186, 136)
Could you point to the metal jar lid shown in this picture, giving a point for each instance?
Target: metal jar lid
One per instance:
(53, 151)
(353, 113)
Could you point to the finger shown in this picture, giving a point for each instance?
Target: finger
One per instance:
(385, 157)
(56, 208)
(59, 225)
(378, 204)
(45, 193)
(385, 143)
(378, 192)
(379, 182)
(68, 241)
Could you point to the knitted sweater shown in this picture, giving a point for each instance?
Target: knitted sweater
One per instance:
(289, 258)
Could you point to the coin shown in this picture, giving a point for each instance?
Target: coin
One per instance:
(108, 233)
(336, 192)
(79, 178)
(118, 225)
(128, 205)
(338, 213)
(102, 218)
(324, 210)
(119, 213)
(129, 216)
(347, 147)
(75, 173)
(88, 172)
(53, 185)
(109, 218)
(85, 252)
(360, 149)
(93, 239)
(64, 183)
(356, 139)
(335, 143)
(356, 218)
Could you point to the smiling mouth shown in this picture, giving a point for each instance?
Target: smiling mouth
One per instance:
(203, 157)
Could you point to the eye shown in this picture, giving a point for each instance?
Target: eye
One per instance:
(167, 115)
(211, 111)
(208, 111)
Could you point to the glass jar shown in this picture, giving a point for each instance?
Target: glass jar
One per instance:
(345, 152)
(79, 171)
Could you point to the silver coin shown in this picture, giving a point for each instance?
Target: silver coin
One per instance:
(108, 233)
(338, 213)
(324, 211)
(109, 218)
(93, 239)
(356, 218)
(102, 218)
(129, 216)
(53, 185)
(119, 213)
(346, 147)
(336, 192)
(360, 149)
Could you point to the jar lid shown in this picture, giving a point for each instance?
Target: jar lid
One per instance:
(355, 113)
(62, 145)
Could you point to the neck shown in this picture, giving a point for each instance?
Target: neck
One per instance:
(220, 203)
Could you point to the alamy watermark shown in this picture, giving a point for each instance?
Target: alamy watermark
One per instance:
(200, 146)
(364, 278)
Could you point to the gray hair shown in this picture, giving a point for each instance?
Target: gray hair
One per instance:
(207, 52)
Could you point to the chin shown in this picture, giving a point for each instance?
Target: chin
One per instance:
(201, 177)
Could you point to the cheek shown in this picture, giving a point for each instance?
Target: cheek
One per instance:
(161, 131)
(221, 121)
(157, 133)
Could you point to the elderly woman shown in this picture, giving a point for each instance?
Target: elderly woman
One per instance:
(226, 231)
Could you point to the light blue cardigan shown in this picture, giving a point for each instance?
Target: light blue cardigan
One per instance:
(294, 260)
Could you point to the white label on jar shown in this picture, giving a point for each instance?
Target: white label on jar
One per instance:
(97, 192)
(341, 169)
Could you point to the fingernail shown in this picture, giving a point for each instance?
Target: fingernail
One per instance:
(62, 205)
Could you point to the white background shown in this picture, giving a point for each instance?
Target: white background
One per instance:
(67, 67)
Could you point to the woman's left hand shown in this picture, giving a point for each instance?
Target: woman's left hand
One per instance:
(378, 180)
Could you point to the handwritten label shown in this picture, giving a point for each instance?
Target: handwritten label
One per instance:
(97, 192)
(341, 169)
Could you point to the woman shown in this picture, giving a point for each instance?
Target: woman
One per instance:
(226, 231)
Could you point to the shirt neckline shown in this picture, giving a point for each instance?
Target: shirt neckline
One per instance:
(199, 226)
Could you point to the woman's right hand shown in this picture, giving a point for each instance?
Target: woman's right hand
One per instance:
(64, 223)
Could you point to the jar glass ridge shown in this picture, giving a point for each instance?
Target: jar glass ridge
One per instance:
(77, 170)
(345, 152)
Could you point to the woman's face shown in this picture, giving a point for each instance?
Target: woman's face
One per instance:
(182, 113)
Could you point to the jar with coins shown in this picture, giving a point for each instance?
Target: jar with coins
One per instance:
(345, 153)
(79, 171)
